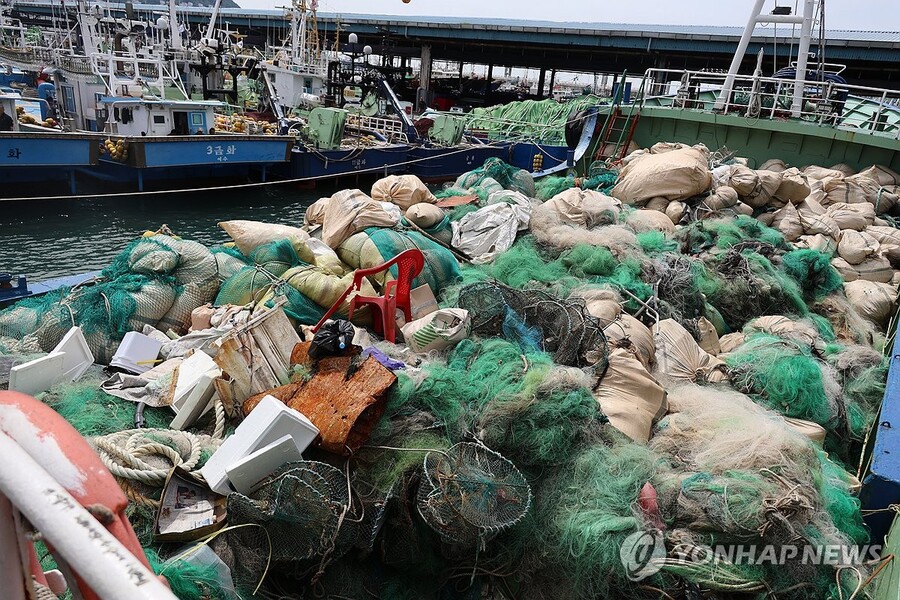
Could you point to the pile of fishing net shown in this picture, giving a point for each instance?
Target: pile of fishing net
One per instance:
(540, 120)
(633, 366)
(155, 281)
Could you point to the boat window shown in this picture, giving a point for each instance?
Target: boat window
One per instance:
(159, 119)
(127, 116)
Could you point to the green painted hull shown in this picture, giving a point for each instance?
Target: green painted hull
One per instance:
(798, 143)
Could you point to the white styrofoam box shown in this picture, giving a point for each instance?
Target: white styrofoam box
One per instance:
(38, 375)
(190, 371)
(196, 403)
(245, 474)
(270, 421)
(79, 357)
(137, 353)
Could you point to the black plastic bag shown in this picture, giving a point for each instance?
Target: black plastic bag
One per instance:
(333, 338)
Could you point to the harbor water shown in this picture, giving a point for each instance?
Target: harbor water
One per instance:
(53, 238)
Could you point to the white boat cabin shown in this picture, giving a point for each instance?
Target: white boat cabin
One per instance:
(142, 117)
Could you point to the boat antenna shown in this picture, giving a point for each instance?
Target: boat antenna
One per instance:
(822, 39)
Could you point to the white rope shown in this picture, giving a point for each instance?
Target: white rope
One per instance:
(123, 452)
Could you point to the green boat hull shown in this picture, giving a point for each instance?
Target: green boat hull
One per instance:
(798, 143)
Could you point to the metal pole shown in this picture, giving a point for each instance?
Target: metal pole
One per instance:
(94, 554)
(802, 57)
(739, 56)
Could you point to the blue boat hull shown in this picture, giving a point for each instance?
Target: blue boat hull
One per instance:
(31, 162)
(441, 164)
(213, 160)
(18, 149)
(181, 151)
(324, 164)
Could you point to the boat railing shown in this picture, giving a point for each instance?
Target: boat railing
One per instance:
(391, 129)
(826, 103)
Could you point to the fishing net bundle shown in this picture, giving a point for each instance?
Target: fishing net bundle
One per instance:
(739, 474)
(785, 376)
(567, 329)
(506, 176)
(548, 187)
(701, 236)
(745, 284)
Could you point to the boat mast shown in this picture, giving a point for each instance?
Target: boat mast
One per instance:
(174, 32)
(756, 17)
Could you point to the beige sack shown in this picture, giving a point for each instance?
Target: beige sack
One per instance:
(855, 246)
(813, 431)
(424, 215)
(812, 206)
(848, 190)
(821, 173)
(766, 218)
(583, 208)
(248, 235)
(731, 342)
(768, 183)
(659, 204)
(883, 175)
(402, 190)
(813, 224)
(774, 164)
(629, 333)
(723, 198)
(351, 211)
(644, 220)
(875, 268)
(743, 209)
(885, 234)
(892, 253)
(675, 175)
(679, 357)
(601, 303)
(709, 337)
(675, 211)
(873, 301)
(844, 168)
(630, 397)
(817, 242)
(744, 180)
(787, 221)
(852, 216)
(845, 269)
(315, 212)
(786, 328)
(794, 186)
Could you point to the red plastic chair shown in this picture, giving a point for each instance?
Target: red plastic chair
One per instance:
(396, 293)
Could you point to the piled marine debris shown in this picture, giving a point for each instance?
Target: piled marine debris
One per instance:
(685, 348)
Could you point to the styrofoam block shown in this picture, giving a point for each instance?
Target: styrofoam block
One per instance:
(190, 371)
(137, 353)
(245, 474)
(38, 375)
(196, 403)
(79, 357)
(270, 421)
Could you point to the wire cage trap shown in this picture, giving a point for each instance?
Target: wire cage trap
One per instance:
(469, 493)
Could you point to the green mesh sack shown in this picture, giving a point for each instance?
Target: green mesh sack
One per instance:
(507, 176)
(441, 267)
(267, 264)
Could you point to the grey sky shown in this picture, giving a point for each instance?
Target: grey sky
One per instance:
(840, 14)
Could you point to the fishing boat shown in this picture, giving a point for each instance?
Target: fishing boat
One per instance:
(805, 113)
(40, 159)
